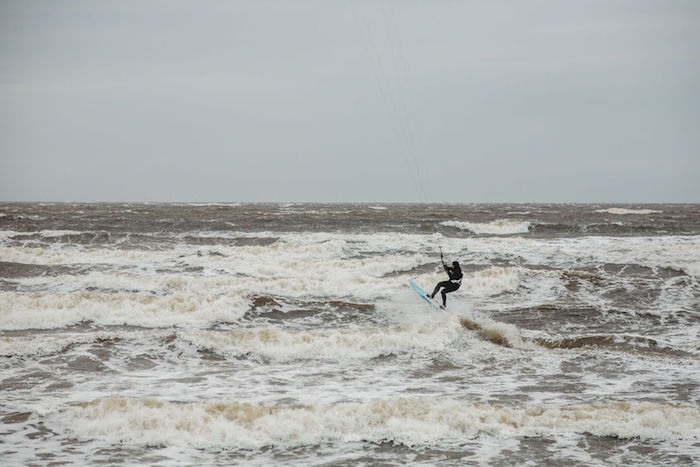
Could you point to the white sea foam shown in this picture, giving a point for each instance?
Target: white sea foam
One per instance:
(314, 259)
(334, 344)
(491, 281)
(131, 287)
(60, 233)
(412, 421)
(302, 250)
(679, 252)
(47, 344)
(312, 266)
(624, 211)
(690, 268)
(155, 299)
(7, 234)
(46, 311)
(72, 256)
(320, 247)
(226, 234)
(502, 227)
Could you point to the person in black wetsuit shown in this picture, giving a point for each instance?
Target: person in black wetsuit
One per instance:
(455, 273)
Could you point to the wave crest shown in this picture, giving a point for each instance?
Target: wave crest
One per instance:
(501, 227)
(503, 334)
(624, 211)
(334, 344)
(412, 421)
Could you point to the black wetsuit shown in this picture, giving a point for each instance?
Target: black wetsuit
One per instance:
(455, 273)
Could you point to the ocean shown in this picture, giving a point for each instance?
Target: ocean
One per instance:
(287, 334)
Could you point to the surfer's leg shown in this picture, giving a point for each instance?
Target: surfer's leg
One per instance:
(449, 287)
(437, 288)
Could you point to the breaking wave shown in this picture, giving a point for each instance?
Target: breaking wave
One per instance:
(492, 281)
(503, 334)
(328, 344)
(410, 421)
(624, 211)
(503, 227)
(49, 311)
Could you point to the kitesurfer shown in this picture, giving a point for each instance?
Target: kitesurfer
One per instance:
(455, 273)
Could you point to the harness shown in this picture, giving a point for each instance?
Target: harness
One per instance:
(451, 272)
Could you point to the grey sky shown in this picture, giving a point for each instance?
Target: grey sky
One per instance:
(471, 101)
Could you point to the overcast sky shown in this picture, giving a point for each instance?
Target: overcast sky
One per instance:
(350, 100)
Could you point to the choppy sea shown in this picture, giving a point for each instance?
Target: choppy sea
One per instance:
(287, 334)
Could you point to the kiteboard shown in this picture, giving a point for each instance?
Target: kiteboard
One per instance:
(421, 293)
